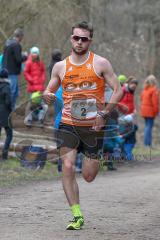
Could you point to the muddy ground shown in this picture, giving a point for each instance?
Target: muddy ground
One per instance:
(121, 205)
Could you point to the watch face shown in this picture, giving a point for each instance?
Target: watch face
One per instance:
(104, 115)
(101, 114)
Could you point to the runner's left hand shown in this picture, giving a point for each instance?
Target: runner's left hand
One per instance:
(99, 123)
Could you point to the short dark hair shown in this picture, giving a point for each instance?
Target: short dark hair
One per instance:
(19, 32)
(131, 80)
(84, 25)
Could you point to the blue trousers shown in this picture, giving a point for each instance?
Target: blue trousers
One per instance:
(149, 122)
(128, 148)
(14, 89)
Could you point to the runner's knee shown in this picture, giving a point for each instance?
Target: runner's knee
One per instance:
(68, 167)
(88, 177)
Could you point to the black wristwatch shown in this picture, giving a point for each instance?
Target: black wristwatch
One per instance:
(104, 115)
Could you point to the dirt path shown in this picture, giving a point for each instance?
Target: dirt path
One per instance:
(124, 205)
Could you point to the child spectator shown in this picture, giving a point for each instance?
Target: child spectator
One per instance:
(5, 110)
(129, 136)
(36, 111)
(112, 141)
(128, 103)
(34, 72)
(122, 79)
(112, 147)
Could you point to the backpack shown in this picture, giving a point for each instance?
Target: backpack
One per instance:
(33, 157)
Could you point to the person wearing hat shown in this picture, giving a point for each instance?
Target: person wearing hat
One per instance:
(128, 129)
(34, 71)
(35, 75)
(5, 110)
(122, 79)
(37, 110)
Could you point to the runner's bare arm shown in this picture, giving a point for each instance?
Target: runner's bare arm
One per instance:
(111, 79)
(54, 84)
(104, 68)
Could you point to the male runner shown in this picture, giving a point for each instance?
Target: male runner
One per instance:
(83, 76)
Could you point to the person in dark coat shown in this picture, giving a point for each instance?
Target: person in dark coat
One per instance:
(55, 57)
(12, 61)
(5, 110)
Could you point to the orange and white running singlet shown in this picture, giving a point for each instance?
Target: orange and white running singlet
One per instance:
(83, 93)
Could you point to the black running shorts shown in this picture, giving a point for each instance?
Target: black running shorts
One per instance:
(84, 139)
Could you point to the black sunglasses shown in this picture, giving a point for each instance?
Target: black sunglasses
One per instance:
(83, 39)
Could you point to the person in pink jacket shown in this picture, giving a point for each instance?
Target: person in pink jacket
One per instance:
(34, 72)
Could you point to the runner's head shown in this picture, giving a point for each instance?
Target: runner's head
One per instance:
(81, 37)
(87, 26)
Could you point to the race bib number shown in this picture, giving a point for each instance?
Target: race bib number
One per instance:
(84, 108)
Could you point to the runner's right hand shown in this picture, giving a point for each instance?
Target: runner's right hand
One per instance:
(49, 97)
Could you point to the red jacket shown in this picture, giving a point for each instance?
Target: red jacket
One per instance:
(127, 101)
(149, 102)
(34, 73)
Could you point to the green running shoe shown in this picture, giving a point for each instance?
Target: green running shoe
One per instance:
(76, 223)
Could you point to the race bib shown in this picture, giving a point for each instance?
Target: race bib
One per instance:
(84, 108)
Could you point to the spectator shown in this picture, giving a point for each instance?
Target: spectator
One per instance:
(111, 138)
(56, 57)
(122, 79)
(12, 61)
(1, 59)
(127, 99)
(149, 107)
(112, 141)
(58, 104)
(37, 110)
(5, 110)
(129, 112)
(129, 135)
(34, 72)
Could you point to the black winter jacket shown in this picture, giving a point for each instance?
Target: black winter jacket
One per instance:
(5, 102)
(12, 57)
(56, 57)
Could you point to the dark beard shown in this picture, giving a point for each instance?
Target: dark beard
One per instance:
(80, 53)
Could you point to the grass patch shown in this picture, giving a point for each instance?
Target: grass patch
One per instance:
(11, 173)
(147, 151)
